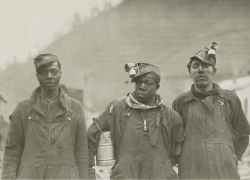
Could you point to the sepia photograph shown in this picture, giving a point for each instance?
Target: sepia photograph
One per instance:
(125, 89)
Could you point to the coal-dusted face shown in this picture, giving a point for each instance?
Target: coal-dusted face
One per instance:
(49, 76)
(145, 88)
(202, 74)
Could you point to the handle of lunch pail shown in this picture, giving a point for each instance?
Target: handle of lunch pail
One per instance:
(94, 119)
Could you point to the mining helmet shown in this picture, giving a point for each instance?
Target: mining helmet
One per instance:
(207, 55)
(139, 69)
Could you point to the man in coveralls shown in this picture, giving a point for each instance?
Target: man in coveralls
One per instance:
(146, 133)
(217, 131)
(47, 136)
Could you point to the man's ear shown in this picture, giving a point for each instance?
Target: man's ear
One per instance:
(215, 70)
(158, 86)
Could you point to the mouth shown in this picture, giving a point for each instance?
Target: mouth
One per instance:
(201, 77)
(141, 95)
(49, 84)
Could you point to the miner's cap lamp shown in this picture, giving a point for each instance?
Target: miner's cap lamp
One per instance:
(131, 69)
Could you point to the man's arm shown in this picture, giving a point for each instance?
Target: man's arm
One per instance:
(81, 145)
(241, 126)
(177, 137)
(240, 146)
(13, 147)
(175, 106)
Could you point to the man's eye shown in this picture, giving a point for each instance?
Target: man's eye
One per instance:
(43, 73)
(55, 72)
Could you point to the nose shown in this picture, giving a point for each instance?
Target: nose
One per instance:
(143, 86)
(49, 75)
(200, 69)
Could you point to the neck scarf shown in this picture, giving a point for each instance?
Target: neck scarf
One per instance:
(133, 103)
(203, 95)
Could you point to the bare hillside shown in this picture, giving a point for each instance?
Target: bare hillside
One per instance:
(163, 32)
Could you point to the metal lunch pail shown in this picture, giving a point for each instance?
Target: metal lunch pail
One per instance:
(105, 150)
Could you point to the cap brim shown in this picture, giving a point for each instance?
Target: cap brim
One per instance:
(199, 58)
(138, 75)
(46, 64)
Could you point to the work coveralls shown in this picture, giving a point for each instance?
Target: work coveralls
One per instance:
(41, 148)
(139, 154)
(212, 128)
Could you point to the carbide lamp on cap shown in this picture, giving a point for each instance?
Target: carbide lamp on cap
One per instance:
(131, 68)
(212, 48)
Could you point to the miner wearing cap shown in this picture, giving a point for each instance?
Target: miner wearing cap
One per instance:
(47, 136)
(146, 133)
(217, 131)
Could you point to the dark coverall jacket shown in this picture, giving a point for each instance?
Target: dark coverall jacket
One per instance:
(139, 155)
(40, 148)
(216, 134)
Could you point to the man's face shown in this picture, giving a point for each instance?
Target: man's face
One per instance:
(49, 76)
(145, 88)
(202, 74)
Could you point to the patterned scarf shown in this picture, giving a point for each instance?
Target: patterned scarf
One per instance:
(133, 103)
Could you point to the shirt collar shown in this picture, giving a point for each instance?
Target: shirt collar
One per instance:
(64, 100)
(191, 96)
